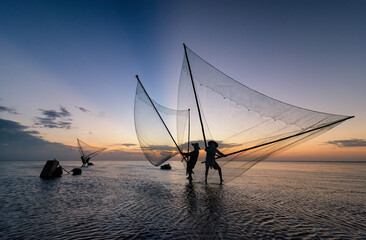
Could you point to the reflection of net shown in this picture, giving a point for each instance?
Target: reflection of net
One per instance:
(242, 120)
(154, 139)
(86, 150)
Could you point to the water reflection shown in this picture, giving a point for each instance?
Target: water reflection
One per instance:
(136, 201)
(213, 206)
(191, 197)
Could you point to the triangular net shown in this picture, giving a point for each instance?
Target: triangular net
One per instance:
(86, 150)
(154, 138)
(241, 119)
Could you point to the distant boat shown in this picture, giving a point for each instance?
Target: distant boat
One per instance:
(87, 152)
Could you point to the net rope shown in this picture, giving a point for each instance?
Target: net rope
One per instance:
(155, 141)
(87, 150)
(241, 119)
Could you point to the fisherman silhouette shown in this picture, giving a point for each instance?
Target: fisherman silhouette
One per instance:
(193, 156)
(85, 161)
(89, 163)
(210, 159)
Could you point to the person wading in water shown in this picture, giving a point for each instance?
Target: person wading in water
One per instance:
(210, 159)
(193, 156)
(85, 161)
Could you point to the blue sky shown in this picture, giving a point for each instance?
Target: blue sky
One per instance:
(81, 57)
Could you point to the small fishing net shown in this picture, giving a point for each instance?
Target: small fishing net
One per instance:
(247, 125)
(86, 150)
(156, 127)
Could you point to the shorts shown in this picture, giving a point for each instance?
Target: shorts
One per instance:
(213, 164)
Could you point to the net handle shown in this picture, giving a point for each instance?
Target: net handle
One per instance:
(195, 95)
(285, 138)
(180, 151)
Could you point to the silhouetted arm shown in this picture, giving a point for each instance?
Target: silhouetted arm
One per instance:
(220, 153)
(187, 154)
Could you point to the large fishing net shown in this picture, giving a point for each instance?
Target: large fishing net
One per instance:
(88, 151)
(248, 126)
(156, 127)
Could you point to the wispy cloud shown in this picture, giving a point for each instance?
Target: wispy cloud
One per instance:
(349, 143)
(54, 119)
(220, 143)
(8, 110)
(124, 144)
(84, 110)
(160, 148)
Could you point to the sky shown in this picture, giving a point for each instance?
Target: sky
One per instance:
(67, 68)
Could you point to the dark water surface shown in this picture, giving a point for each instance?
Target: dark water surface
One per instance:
(134, 200)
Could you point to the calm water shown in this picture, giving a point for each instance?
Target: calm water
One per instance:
(134, 200)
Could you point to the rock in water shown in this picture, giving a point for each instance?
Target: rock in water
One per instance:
(76, 171)
(166, 167)
(51, 169)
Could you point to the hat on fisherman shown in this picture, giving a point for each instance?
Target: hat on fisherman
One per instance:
(213, 142)
(196, 145)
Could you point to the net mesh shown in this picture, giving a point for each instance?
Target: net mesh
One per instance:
(247, 125)
(86, 150)
(154, 139)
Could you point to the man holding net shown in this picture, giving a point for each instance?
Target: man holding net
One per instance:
(191, 163)
(85, 161)
(210, 159)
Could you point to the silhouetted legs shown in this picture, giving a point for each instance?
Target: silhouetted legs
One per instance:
(206, 173)
(217, 168)
(220, 174)
(190, 178)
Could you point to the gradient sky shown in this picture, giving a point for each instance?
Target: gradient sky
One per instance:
(67, 67)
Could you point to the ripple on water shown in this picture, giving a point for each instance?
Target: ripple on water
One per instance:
(137, 201)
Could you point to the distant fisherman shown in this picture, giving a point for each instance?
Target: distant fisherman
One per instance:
(85, 161)
(210, 159)
(193, 156)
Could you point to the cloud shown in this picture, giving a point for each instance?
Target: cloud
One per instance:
(349, 143)
(83, 109)
(19, 143)
(54, 119)
(220, 143)
(123, 144)
(7, 127)
(160, 148)
(55, 114)
(9, 110)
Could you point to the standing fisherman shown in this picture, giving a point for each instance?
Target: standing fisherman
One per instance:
(193, 156)
(85, 161)
(210, 159)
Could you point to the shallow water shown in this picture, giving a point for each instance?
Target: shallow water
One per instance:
(134, 200)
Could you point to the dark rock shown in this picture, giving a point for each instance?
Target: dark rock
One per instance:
(166, 167)
(51, 169)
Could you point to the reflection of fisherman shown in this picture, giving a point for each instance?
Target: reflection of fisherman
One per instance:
(85, 161)
(192, 160)
(210, 159)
